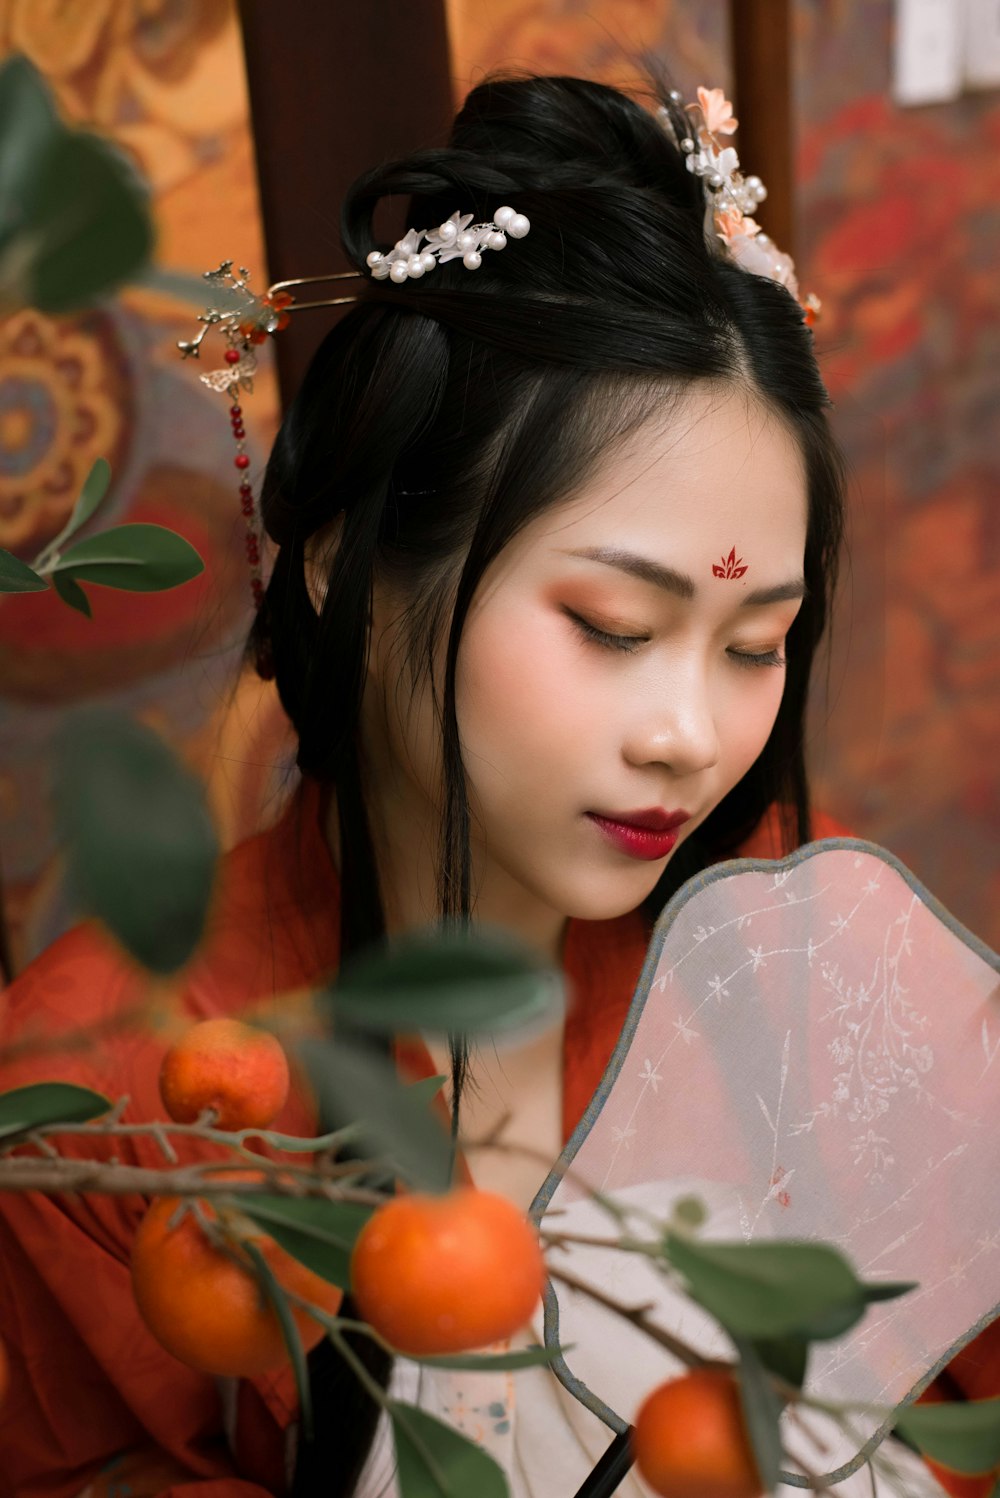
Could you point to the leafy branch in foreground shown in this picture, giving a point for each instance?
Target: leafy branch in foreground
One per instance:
(139, 558)
(315, 1211)
(270, 1207)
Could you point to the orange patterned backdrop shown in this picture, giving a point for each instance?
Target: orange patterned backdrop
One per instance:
(898, 231)
(167, 83)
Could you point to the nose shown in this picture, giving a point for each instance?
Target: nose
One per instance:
(674, 722)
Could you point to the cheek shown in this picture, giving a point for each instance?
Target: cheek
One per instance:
(519, 686)
(749, 718)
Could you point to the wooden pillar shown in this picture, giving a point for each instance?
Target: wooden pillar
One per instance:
(334, 90)
(761, 41)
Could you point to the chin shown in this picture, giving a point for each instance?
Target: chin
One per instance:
(605, 902)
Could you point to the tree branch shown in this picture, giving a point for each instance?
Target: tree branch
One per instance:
(61, 1174)
(638, 1316)
(688, 1355)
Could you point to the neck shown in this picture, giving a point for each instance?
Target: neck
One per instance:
(406, 854)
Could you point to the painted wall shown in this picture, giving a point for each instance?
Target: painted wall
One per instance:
(167, 83)
(899, 230)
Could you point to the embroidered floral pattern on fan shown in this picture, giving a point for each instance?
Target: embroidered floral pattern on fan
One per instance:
(876, 1027)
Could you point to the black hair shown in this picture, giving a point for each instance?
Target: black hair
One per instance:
(444, 414)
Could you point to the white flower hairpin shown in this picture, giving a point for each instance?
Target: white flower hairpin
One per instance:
(449, 241)
(730, 197)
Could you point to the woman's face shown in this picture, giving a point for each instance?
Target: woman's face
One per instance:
(589, 687)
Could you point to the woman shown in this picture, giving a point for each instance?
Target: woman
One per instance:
(556, 545)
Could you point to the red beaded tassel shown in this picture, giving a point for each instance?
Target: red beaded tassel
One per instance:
(247, 506)
(251, 323)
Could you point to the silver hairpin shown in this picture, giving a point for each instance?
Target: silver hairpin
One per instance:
(454, 238)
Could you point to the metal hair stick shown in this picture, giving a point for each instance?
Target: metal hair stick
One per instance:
(344, 275)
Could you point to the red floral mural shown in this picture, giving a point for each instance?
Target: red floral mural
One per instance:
(899, 231)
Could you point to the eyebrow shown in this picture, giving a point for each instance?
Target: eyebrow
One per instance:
(678, 583)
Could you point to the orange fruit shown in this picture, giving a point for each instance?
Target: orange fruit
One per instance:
(205, 1308)
(690, 1439)
(447, 1273)
(236, 1069)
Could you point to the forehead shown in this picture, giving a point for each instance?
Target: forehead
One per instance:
(715, 471)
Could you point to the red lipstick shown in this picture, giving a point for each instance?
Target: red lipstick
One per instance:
(646, 834)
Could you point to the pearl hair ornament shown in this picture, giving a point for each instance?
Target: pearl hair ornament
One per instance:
(731, 198)
(408, 261)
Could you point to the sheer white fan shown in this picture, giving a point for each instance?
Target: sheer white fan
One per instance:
(813, 1050)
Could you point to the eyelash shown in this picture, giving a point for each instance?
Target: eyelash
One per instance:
(629, 644)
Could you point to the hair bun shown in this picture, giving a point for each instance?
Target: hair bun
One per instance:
(569, 131)
(567, 152)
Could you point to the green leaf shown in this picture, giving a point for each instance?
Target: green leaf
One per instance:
(771, 1290)
(48, 1103)
(689, 1212)
(426, 1089)
(92, 495)
(447, 981)
(836, 1322)
(75, 220)
(436, 1461)
(965, 1436)
(320, 1234)
(484, 1362)
(74, 215)
(762, 1411)
(71, 593)
(139, 558)
(788, 1357)
(289, 1332)
(141, 847)
(29, 124)
(87, 223)
(888, 1289)
(17, 577)
(354, 1085)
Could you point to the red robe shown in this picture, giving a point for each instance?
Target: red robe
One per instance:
(95, 1403)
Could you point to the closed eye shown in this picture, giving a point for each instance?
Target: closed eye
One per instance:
(757, 658)
(628, 644)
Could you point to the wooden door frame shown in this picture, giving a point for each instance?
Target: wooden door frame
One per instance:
(761, 47)
(334, 89)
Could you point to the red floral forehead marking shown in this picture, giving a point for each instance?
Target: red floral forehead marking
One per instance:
(730, 566)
